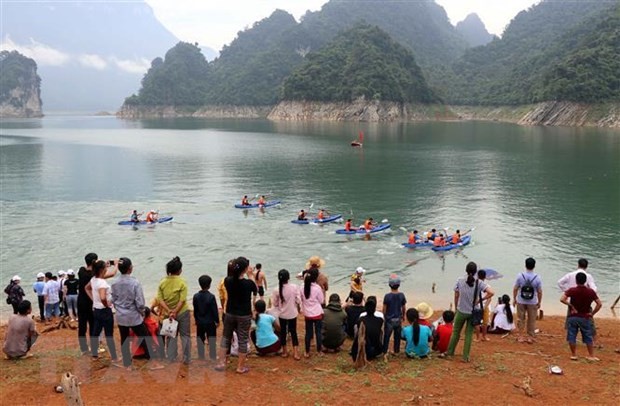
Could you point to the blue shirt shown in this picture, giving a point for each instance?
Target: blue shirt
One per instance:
(534, 280)
(264, 331)
(394, 302)
(422, 348)
(38, 287)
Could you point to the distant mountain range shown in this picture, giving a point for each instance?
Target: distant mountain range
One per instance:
(473, 30)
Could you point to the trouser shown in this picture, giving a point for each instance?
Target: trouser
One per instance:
(529, 310)
(103, 319)
(85, 319)
(62, 305)
(52, 310)
(171, 343)
(239, 324)
(392, 325)
(41, 306)
(314, 327)
(208, 332)
(460, 320)
(289, 326)
(71, 305)
(145, 341)
(15, 306)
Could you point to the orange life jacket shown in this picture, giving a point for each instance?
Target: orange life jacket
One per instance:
(368, 225)
(438, 242)
(456, 238)
(411, 238)
(347, 226)
(149, 218)
(320, 216)
(261, 201)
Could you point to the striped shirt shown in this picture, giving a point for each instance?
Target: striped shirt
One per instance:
(128, 299)
(466, 294)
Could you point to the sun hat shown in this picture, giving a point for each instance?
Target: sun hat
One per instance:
(40, 275)
(61, 272)
(424, 310)
(16, 278)
(360, 270)
(394, 280)
(70, 272)
(316, 262)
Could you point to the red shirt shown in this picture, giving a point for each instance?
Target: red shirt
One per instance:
(581, 297)
(444, 331)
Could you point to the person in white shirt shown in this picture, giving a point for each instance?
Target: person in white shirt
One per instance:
(569, 281)
(503, 317)
(51, 297)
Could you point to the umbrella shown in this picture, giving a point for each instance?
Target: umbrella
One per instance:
(492, 274)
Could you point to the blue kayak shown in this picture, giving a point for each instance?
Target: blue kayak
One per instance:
(144, 222)
(256, 205)
(317, 221)
(464, 241)
(379, 228)
(418, 244)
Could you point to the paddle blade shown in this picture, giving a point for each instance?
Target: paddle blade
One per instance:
(384, 220)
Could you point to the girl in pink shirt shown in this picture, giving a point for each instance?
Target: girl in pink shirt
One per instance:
(286, 299)
(311, 301)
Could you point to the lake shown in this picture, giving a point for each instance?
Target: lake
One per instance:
(550, 193)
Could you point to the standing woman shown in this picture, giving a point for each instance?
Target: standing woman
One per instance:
(466, 292)
(311, 301)
(172, 301)
(99, 292)
(238, 313)
(286, 300)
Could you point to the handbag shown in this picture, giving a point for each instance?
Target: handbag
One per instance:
(169, 328)
(477, 312)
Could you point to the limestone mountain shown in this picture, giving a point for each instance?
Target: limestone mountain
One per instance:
(473, 30)
(19, 86)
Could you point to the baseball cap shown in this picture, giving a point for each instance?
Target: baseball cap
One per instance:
(40, 275)
(16, 278)
(70, 272)
(360, 270)
(394, 280)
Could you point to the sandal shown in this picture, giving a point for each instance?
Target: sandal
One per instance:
(220, 368)
(243, 370)
(593, 359)
(574, 358)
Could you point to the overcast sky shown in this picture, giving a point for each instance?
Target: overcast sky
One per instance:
(215, 23)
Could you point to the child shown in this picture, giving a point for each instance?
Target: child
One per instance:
(261, 281)
(416, 336)
(152, 326)
(286, 301)
(394, 312)
(353, 312)
(425, 312)
(207, 318)
(312, 299)
(265, 338)
(357, 281)
(482, 275)
(443, 332)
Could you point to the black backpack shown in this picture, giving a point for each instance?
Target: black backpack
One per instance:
(527, 290)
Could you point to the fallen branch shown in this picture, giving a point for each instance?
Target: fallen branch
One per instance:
(536, 354)
(526, 386)
(63, 323)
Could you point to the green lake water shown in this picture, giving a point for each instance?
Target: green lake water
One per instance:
(550, 193)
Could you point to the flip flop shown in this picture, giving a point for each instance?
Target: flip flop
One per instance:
(593, 359)
(574, 358)
(220, 368)
(243, 370)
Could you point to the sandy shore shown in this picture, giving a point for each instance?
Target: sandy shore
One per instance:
(497, 370)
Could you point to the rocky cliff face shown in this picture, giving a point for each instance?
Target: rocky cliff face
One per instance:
(138, 112)
(22, 103)
(20, 92)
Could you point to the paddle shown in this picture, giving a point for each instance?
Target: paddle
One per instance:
(404, 229)
(255, 196)
(468, 231)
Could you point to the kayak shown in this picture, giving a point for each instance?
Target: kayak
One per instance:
(143, 222)
(317, 221)
(379, 228)
(418, 245)
(464, 241)
(256, 205)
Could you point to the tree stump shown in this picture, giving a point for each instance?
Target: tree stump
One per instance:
(71, 389)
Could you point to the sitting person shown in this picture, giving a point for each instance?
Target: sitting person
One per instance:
(416, 336)
(265, 338)
(152, 216)
(443, 332)
(502, 321)
(152, 326)
(20, 333)
(413, 238)
(369, 336)
(348, 225)
(301, 216)
(353, 311)
(425, 312)
(334, 322)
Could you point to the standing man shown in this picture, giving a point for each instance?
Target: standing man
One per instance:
(527, 294)
(85, 303)
(38, 289)
(52, 299)
(580, 314)
(128, 300)
(569, 281)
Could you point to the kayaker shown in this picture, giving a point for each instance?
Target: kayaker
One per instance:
(245, 201)
(439, 241)
(135, 216)
(151, 217)
(348, 225)
(302, 215)
(368, 224)
(456, 237)
(430, 236)
(413, 237)
(321, 214)
(261, 201)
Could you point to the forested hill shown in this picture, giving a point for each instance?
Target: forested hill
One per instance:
(553, 51)
(361, 62)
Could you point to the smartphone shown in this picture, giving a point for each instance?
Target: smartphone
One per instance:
(111, 261)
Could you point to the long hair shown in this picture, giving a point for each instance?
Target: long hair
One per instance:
(283, 278)
(507, 309)
(240, 265)
(414, 318)
(260, 306)
(99, 268)
(471, 270)
(311, 276)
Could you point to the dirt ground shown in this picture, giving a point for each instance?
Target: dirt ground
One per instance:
(496, 373)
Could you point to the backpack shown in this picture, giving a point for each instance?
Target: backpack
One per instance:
(527, 290)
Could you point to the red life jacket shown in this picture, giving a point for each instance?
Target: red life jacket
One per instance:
(411, 238)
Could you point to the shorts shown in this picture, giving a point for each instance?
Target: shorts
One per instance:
(261, 291)
(576, 324)
(485, 316)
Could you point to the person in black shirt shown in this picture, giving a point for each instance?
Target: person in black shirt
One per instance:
(207, 318)
(369, 334)
(70, 290)
(353, 312)
(238, 313)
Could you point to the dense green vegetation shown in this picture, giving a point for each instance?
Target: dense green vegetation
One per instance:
(16, 71)
(519, 67)
(178, 80)
(361, 62)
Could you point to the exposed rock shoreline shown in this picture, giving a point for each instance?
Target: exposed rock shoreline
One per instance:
(548, 113)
